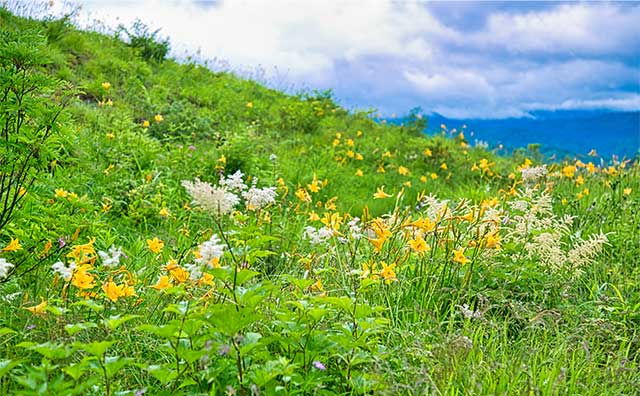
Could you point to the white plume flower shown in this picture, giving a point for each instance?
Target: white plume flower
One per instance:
(218, 199)
(5, 266)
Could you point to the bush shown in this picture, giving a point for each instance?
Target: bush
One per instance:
(150, 47)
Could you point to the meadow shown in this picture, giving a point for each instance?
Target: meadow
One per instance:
(170, 230)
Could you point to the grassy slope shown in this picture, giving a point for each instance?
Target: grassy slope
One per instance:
(535, 340)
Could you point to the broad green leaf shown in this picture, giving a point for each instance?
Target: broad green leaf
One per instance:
(74, 328)
(113, 322)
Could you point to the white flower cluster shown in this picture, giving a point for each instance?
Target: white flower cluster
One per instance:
(224, 198)
(217, 199)
(258, 198)
(234, 182)
(210, 250)
(64, 271)
(112, 258)
(354, 228)
(533, 174)
(5, 266)
(433, 207)
(317, 236)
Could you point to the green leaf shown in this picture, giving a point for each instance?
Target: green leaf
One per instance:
(113, 364)
(97, 348)
(6, 330)
(165, 331)
(74, 328)
(92, 305)
(113, 322)
(7, 365)
(245, 275)
(161, 373)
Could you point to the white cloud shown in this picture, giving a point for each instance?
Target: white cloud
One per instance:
(582, 28)
(397, 55)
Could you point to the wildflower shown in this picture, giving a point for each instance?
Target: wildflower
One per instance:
(108, 170)
(331, 204)
(38, 309)
(164, 212)
(318, 365)
(419, 245)
(336, 142)
(359, 157)
(178, 273)
(145, 124)
(158, 118)
(64, 271)
(111, 290)
(258, 198)
(313, 187)
(468, 313)
(303, 195)
(444, 166)
(427, 152)
(388, 272)
(106, 85)
(234, 182)
(377, 243)
(354, 228)
(381, 168)
(579, 180)
(369, 272)
(84, 253)
(163, 283)
(627, 191)
(433, 176)
(82, 279)
(380, 194)
(593, 153)
(155, 245)
(211, 250)
(218, 199)
(424, 224)
(249, 105)
(61, 193)
(359, 133)
(468, 217)
(459, 257)
(423, 179)
(569, 171)
(112, 258)
(332, 221)
(5, 266)
(591, 167)
(350, 142)
(533, 174)
(313, 216)
(492, 240)
(403, 171)
(317, 236)
(359, 173)
(13, 246)
(110, 135)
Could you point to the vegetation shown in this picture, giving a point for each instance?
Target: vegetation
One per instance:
(172, 230)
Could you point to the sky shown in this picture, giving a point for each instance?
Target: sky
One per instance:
(459, 59)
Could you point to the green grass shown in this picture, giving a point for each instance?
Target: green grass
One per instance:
(278, 314)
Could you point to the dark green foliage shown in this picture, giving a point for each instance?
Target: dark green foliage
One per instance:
(148, 43)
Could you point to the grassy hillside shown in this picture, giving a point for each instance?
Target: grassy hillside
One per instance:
(346, 257)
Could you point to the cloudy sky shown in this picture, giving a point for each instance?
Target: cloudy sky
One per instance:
(460, 59)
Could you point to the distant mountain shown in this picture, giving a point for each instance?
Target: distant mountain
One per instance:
(560, 133)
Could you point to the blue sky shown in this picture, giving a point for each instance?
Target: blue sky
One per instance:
(460, 59)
